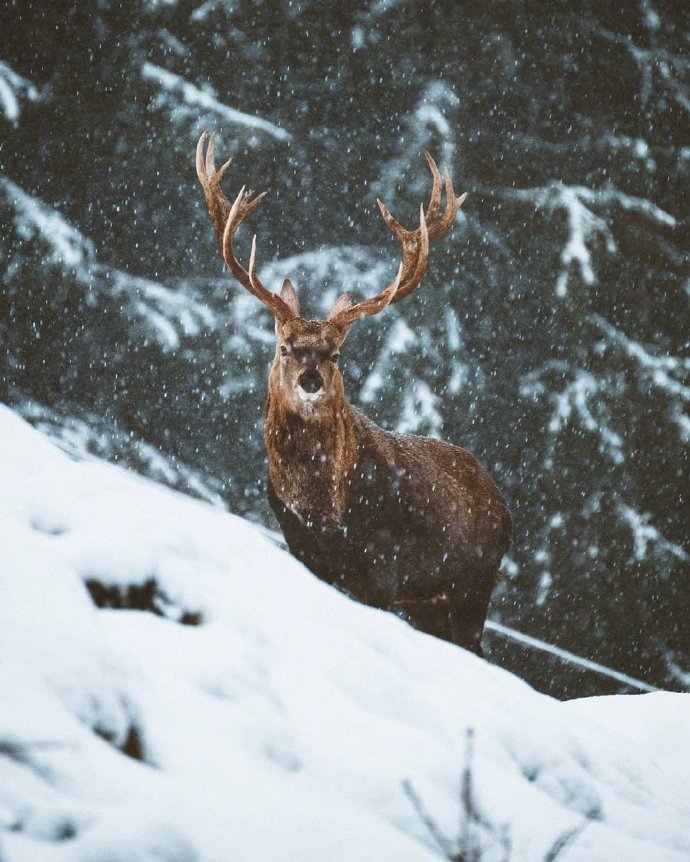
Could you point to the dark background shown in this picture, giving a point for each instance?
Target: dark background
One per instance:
(550, 336)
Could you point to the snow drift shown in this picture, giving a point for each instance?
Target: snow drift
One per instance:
(248, 712)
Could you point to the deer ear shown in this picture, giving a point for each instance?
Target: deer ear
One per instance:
(342, 303)
(289, 297)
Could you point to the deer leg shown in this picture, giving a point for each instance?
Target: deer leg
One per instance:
(468, 610)
(432, 616)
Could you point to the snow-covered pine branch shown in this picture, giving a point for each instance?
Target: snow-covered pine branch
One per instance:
(36, 221)
(169, 314)
(669, 373)
(13, 91)
(645, 534)
(585, 226)
(580, 399)
(165, 316)
(670, 67)
(427, 123)
(186, 101)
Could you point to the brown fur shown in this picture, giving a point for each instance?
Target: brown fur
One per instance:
(404, 523)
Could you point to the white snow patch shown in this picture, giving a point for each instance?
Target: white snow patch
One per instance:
(582, 224)
(651, 16)
(282, 727)
(420, 411)
(682, 420)
(399, 339)
(201, 13)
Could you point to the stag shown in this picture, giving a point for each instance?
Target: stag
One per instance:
(398, 521)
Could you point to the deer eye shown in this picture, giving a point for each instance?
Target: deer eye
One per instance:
(283, 350)
(335, 357)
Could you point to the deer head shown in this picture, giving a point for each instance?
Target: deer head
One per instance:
(305, 371)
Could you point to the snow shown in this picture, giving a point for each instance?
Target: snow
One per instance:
(581, 400)
(289, 723)
(13, 89)
(585, 227)
(644, 533)
(659, 369)
(32, 218)
(177, 88)
(683, 423)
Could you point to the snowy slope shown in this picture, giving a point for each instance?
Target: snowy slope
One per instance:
(267, 717)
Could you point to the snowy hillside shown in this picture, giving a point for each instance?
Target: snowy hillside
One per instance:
(550, 334)
(250, 713)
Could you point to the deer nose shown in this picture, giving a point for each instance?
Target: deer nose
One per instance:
(311, 381)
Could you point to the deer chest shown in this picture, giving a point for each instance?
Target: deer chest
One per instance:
(361, 539)
(312, 490)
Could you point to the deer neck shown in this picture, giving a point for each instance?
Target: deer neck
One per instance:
(308, 461)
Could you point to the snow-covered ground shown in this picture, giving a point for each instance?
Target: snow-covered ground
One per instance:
(253, 714)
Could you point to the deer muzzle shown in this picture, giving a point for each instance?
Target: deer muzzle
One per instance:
(311, 382)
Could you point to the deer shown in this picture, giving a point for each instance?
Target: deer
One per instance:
(404, 523)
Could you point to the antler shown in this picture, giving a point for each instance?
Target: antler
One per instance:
(226, 218)
(415, 247)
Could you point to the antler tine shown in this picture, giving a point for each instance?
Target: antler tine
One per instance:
(218, 205)
(369, 306)
(415, 248)
(252, 264)
(249, 279)
(435, 199)
(452, 205)
(211, 155)
(423, 255)
(226, 218)
(200, 169)
(391, 220)
(390, 294)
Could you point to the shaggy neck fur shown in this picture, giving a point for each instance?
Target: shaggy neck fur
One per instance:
(309, 460)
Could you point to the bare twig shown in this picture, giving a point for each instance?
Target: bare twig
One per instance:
(565, 839)
(431, 825)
